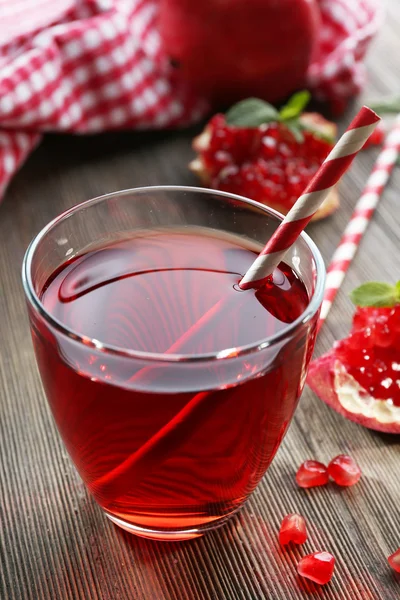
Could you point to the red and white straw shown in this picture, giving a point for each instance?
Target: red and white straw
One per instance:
(361, 217)
(331, 170)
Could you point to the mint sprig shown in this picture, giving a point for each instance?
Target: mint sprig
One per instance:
(295, 106)
(295, 129)
(388, 105)
(251, 112)
(254, 112)
(376, 294)
(317, 132)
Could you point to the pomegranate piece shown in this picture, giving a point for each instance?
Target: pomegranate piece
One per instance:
(230, 50)
(360, 376)
(372, 351)
(293, 529)
(317, 567)
(265, 163)
(311, 474)
(344, 470)
(394, 561)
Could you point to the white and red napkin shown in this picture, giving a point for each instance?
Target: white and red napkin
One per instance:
(86, 66)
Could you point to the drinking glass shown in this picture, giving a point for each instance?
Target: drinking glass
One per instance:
(169, 444)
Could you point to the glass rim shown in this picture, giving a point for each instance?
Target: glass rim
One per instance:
(33, 298)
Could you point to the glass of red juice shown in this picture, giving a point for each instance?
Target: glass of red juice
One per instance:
(172, 388)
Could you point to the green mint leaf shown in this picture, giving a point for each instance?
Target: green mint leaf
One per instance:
(251, 113)
(295, 106)
(295, 129)
(376, 294)
(317, 132)
(389, 105)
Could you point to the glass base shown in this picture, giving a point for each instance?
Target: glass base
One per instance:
(170, 535)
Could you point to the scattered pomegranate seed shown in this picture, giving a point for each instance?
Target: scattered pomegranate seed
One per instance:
(377, 136)
(344, 470)
(293, 529)
(312, 473)
(317, 566)
(394, 561)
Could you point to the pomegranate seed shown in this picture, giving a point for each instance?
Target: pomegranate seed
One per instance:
(394, 561)
(312, 473)
(344, 470)
(293, 529)
(317, 566)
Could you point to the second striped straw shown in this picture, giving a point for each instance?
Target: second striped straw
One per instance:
(360, 218)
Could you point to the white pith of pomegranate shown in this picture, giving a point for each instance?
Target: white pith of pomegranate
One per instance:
(360, 376)
(356, 400)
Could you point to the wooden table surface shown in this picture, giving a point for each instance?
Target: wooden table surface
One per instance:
(54, 541)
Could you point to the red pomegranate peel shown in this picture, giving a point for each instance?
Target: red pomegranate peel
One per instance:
(329, 173)
(360, 218)
(331, 170)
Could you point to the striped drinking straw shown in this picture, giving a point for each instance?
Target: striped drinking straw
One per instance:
(331, 170)
(360, 218)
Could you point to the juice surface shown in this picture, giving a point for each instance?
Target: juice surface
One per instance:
(146, 292)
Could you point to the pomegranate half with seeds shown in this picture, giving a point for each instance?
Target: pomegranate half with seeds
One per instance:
(360, 376)
(264, 154)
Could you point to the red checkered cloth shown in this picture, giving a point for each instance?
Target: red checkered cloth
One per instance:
(85, 66)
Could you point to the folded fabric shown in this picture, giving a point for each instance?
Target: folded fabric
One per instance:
(86, 66)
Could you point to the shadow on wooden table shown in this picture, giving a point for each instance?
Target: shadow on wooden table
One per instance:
(205, 563)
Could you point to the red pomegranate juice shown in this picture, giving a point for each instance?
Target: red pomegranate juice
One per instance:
(168, 445)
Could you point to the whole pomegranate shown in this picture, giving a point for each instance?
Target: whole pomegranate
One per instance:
(230, 49)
